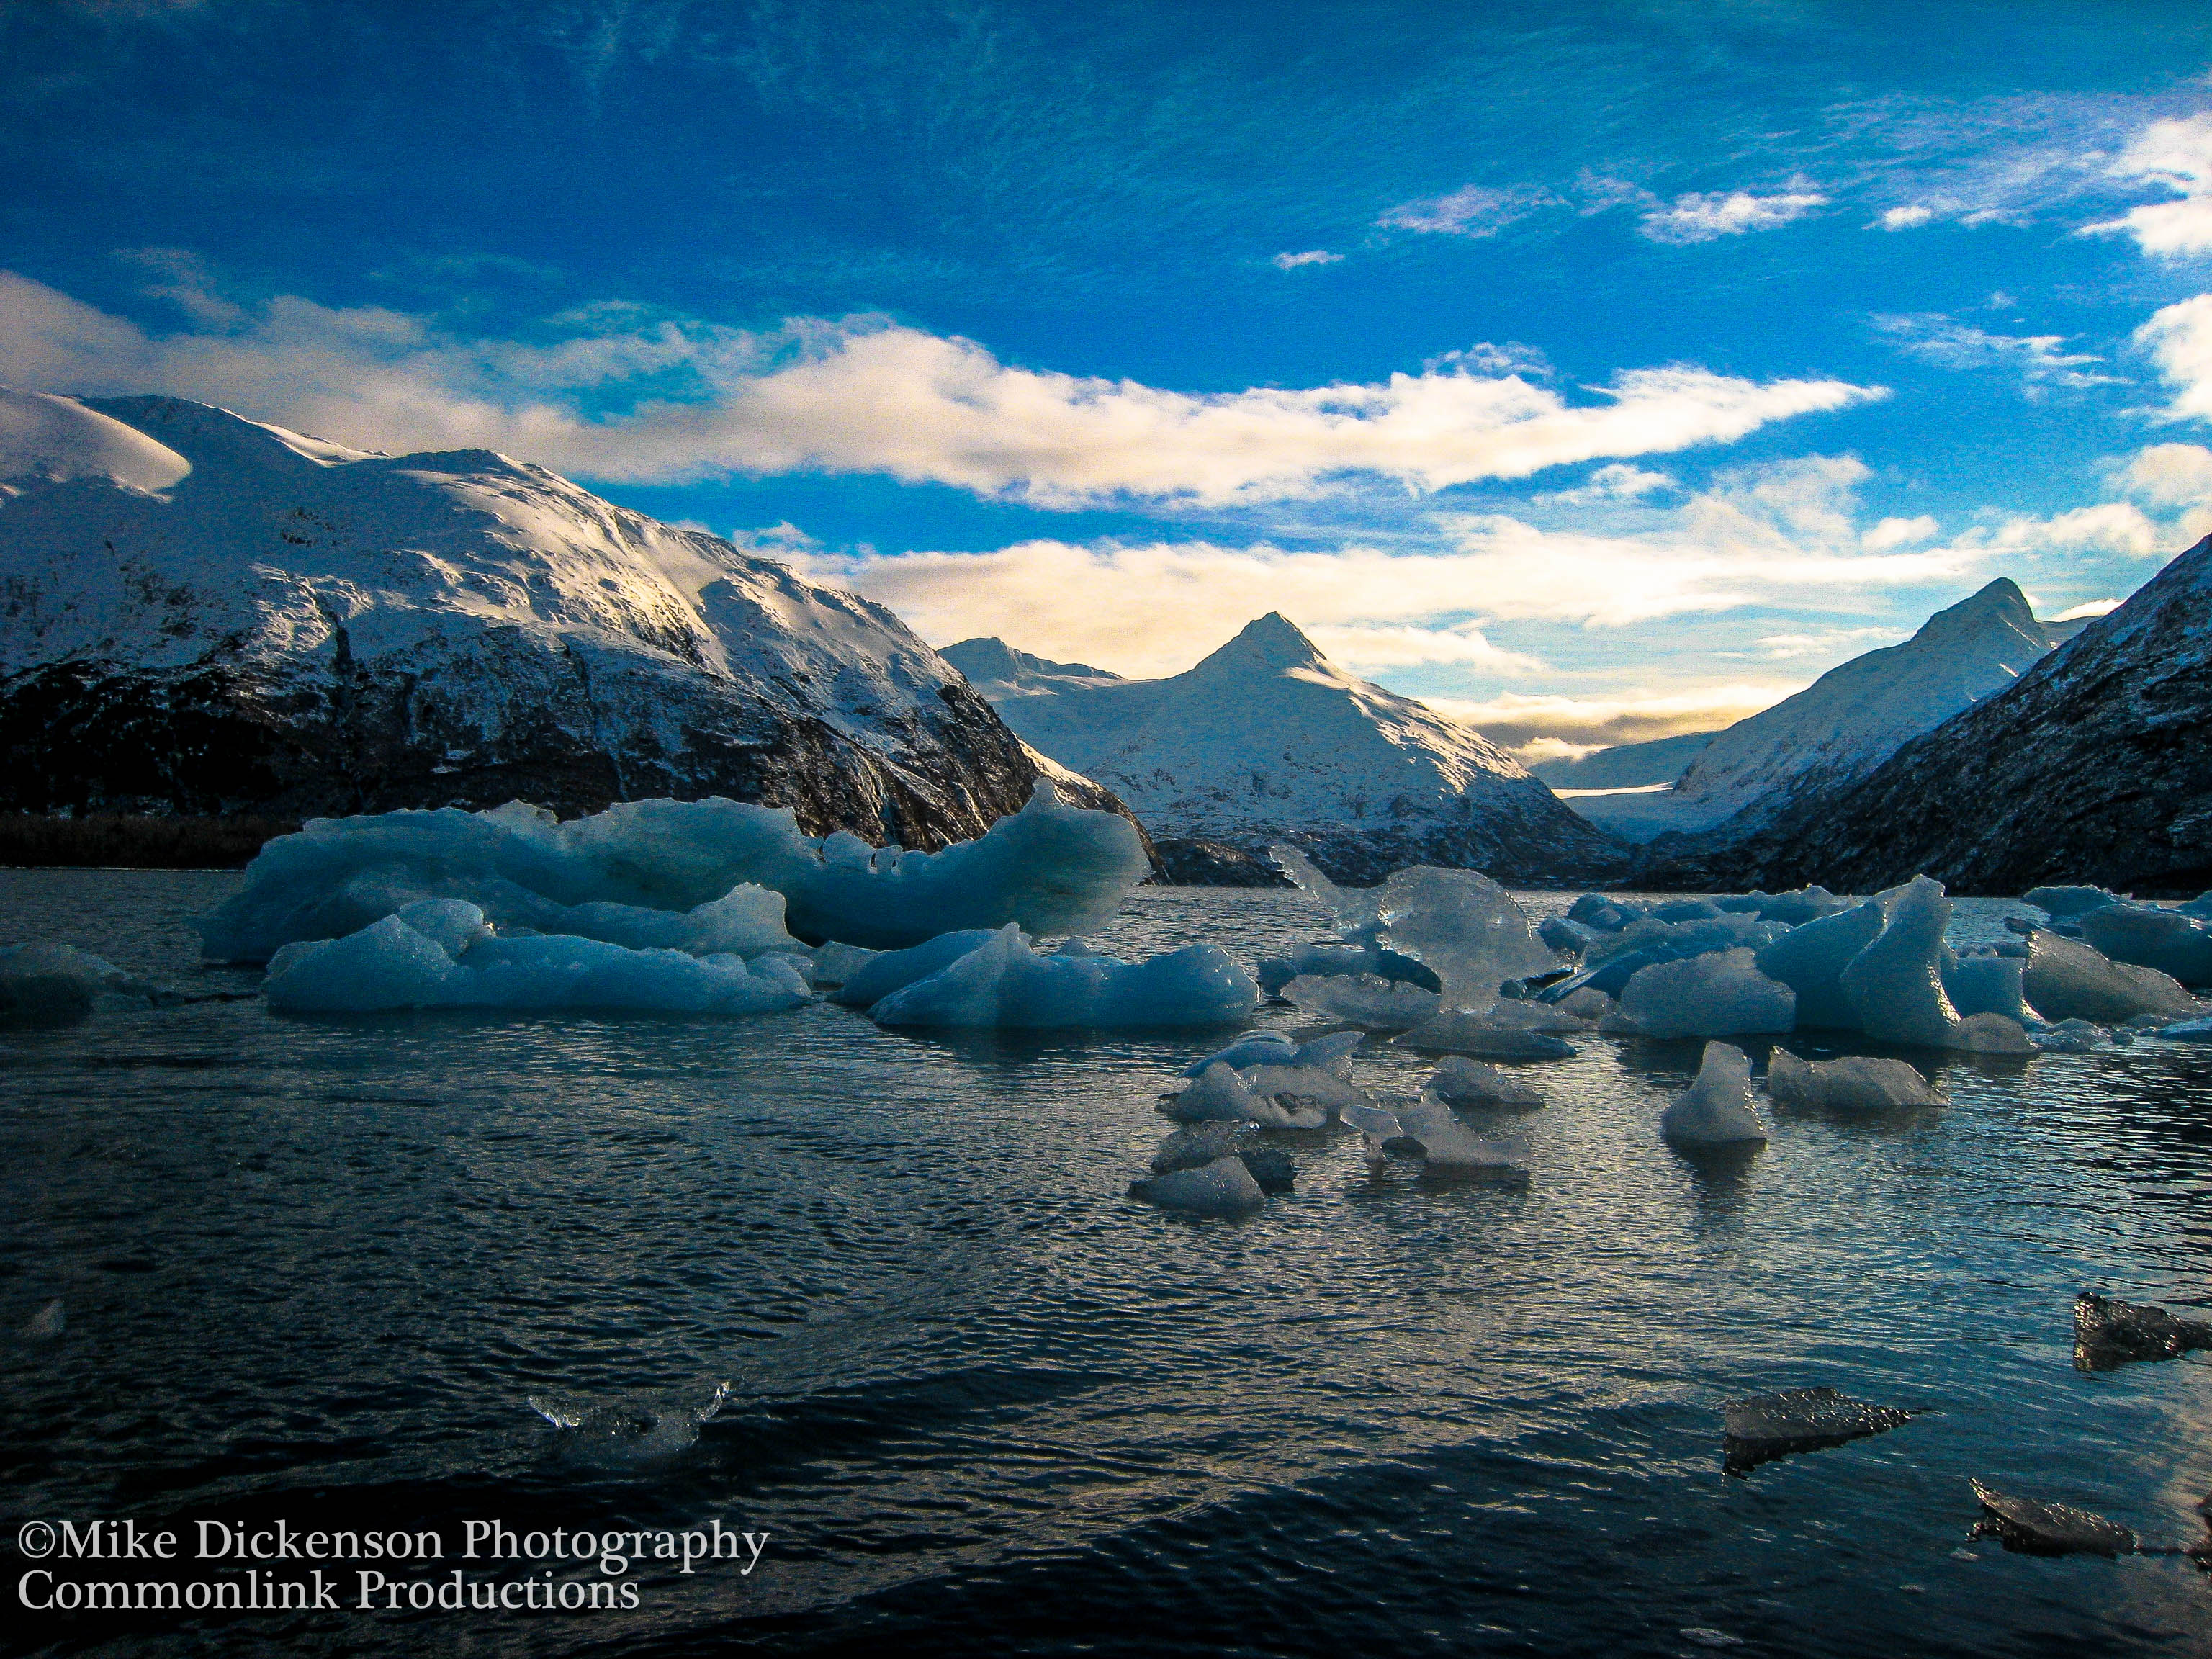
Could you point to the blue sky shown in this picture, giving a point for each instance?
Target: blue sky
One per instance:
(1595, 370)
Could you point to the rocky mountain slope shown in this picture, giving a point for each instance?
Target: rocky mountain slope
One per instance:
(1841, 725)
(200, 614)
(2093, 767)
(1266, 740)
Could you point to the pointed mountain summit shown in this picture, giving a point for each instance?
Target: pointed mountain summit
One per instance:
(1841, 725)
(1267, 740)
(209, 615)
(2093, 767)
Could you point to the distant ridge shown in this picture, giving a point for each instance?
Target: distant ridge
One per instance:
(1266, 740)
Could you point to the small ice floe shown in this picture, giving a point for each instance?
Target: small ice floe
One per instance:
(1857, 1083)
(1276, 1097)
(835, 964)
(2034, 1527)
(1766, 1426)
(629, 1430)
(1445, 1145)
(51, 984)
(2109, 1333)
(1005, 984)
(1225, 1189)
(2069, 1036)
(2064, 979)
(1716, 1109)
(1376, 1127)
(1463, 1082)
(1331, 1053)
(47, 1323)
(1202, 1144)
(1719, 993)
(1366, 1000)
(1497, 1033)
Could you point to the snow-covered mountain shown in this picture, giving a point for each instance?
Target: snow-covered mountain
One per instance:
(1266, 740)
(2093, 767)
(199, 613)
(1841, 725)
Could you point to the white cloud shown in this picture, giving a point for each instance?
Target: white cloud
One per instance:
(1706, 217)
(867, 396)
(1618, 482)
(1319, 256)
(1906, 218)
(1369, 648)
(2179, 341)
(2108, 528)
(1472, 211)
(2168, 474)
(1897, 532)
(2177, 154)
(2090, 611)
(2038, 359)
(1829, 642)
(1632, 716)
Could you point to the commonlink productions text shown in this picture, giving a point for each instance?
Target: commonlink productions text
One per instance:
(228, 1566)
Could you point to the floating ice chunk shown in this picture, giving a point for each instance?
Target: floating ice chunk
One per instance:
(1856, 1083)
(1323, 960)
(2065, 979)
(836, 962)
(1467, 928)
(1222, 1188)
(1686, 909)
(2188, 1030)
(1716, 1109)
(1197, 1145)
(1720, 994)
(1005, 985)
(1989, 985)
(629, 1430)
(1770, 1425)
(1810, 960)
(1051, 867)
(2200, 906)
(1461, 1082)
(887, 971)
(2108, 1332)
(450, 924)
(50, 1322)
(2167, 940)
(1568, 937)
(1376, 1127)
(1806, 904)
(1462, 1033)
(1585, 1004)
(2069, 1036)
(1448, 1144)
(1298, 1091)
(1332, 1054)
(1363, 1000)
(1217, 1096)
(2067, 904)
(1989, 1034)
(390, 964)
(49, 983)
(1896, 983)
(1256, 1049)
(2034, 1527)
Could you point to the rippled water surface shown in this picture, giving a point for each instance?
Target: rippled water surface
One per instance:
(984, 1403)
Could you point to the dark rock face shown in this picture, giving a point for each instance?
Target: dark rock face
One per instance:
(293, 629)
(1188, 863)
(2093, 767)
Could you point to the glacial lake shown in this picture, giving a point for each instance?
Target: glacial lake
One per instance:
(983, 1403)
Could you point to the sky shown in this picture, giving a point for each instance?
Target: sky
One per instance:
(1595, 372)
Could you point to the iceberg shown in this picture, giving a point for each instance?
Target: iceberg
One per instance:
(1197, 1145)
(2064, 979)
(834, 964)
(1051, 868)
(1448, 1144)
(2066, 905)
(1716, 1109)
(1719, 994)
(1990, 1034)
(1810, 959)
(1223, 1188)
(893, 970)
(1461, 1082)
(1856, 1083)
(1990, 985)
(1004, 984)
(2147, 937)
(1896, 984)
(452, 960)
(1459, 1032)
(1323, 960)
(1465, 928)
(1363, 1000)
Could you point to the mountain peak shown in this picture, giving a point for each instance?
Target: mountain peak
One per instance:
(1275, 640)
(1999, 606)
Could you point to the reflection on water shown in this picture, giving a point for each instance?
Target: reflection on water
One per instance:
(983, 1401)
